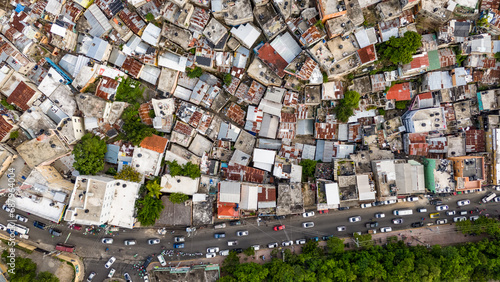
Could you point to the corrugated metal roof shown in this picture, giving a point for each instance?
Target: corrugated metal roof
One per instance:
(97, 20)
(286, 46)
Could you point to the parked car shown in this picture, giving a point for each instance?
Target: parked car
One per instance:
(65, 247)
(442, 207)
(355, 218)
(463, 213)
(242, 233)
(279, 227)
(212, 249)
(55, 232)
(436, 202)
(389, 202)
(308, 214)
(314, 239)
(21, 218)
(371, 224)
(237, 250)
(325, 238)
(378, 203)
(397, 221)
(110, 262)
(3, 227)
(224, 253)
(179, 239)
(279, 217)
(235, 222)
(219, 235)
(417, 224)
(300, 241)
(341, 228)
(496, 199)
(412, 199)
(129, 242)
(385, 229)
(363, 206)
(153, 241)
(127, 277)
(220, 226)
(146, 278)
(434, 215)
(474, 217)
(39, 224)
(210, 255)
(421, 210)
(380, 215)
(91, 276)
(162, 260)
(178, 245)
(111, 273)
(308, 224)
(256, 247)
(450, 213)
(459, 218)
(356, 233)
(442, 221)
(232, 243)
(323, 211)
(343, 208)
(6, 208)
(272, 245)
(462, 203)
(287, 243)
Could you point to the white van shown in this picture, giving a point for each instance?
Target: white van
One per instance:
(489, 197)
(402, 212)
(224, 253)
(256, 247)
(220, 226)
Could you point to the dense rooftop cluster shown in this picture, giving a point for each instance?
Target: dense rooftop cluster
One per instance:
(282, 104)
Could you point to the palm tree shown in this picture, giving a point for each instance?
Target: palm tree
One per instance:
(154, 189)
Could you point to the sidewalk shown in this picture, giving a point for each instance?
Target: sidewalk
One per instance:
(69, 257)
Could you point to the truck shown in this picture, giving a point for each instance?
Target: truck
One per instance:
(489, 197)
(65, 247)
(402, 212)
(17, 228)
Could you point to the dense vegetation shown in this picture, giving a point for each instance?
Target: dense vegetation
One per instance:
(135, 130)
(394, 262)
(89, 154)
(25, 271)
(194, 72)
(400, 49)
(129, 91)
(178, 198)
(149, 207)
(308, 168)
(188, 169)
(129, 173)
(346, 106)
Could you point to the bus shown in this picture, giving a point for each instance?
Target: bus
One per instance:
(17, 228)
(402, 212)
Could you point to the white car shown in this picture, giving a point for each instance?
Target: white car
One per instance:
(463, 203)
(474, 217)
(385, 229)
(232, 243)
(3, 227)
(256, 247)
(358, 233)
(110, 262)
(442, 221)
(397, 221)
(300, 241)
(363, 206)
(210, 255)
(6, 208)
(272, 245)
(412, 199)
(380, 215)
(496, 199)
(459, 218)
(450, 213)
(107, 240)
(21, 218)
(146, 278)
(242, 233)
(389, 202)
(287, 243)
(111, 272)
(308, 214)
(212, 249)
(442, 207)
(308, 224)
(162, 260)
(355, 218)
(341, 228)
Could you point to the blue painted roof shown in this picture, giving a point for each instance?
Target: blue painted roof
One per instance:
(111, 155)
(19, 8)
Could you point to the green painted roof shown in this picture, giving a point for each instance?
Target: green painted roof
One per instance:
(433, 60)
(429, 168)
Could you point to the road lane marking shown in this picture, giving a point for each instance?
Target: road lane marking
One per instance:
(67, 238)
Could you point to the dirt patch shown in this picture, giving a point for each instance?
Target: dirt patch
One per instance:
(371, 17)
(309, 195)
(192, 275)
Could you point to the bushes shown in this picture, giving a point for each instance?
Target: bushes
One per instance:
(194, 73)
(129, 173)
(401, 105)
(308, 168)
(227, 79)
(189, 169)
(129, 91)
(178, 198)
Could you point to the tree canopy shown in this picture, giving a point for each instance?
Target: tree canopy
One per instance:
(395, 262)
(129, 173)
(188, 169)
(308, 168)
(194, 72)
(89, 154)
(25, 271)
(149, 210)
(346, 106)
(154, 189)
(135, 130)
(401, 49)
(178, 198)
(129, 91)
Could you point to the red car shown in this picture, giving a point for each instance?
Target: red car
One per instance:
(279, 227)
(323, 211)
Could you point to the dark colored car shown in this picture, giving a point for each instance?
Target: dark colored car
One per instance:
(39, 224)
(278, 217)
(235, 222)
(55, 232)
(436, 202)
(343, 208)
(371, 224)
(379, 203)
(417, 224)
(325, 238)
(314, 239)
(219, 235)
(147, 262)
(238, 250)
(179, 246)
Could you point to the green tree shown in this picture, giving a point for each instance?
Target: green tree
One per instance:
(194, 73)
(335, 245)
(364, 240)
(191, 170)
(497, 56)
(7, 105)
(129, 173)
(135, 130)
(401, 105)
(249, 252)
(150, 17)
(308, 168)
(154, 189)
(46, 276)
(346, 106)
(381, 112)
(149, 210)
(174, 168)
(14, 135)
(111, 171)
(129, 91)
(401, 50)
(178, 198)
(89, 155)
(228, 79)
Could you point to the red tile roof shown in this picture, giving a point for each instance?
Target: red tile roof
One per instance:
(132, 20)
(21, 96)
(269, 56)
(367, 54)
(418, 149)
(400, 92)
(155, 143)
(326, 130)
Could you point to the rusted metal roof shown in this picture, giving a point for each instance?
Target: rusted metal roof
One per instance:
(236, 114)
(132, 67)
(21, 96)
(144, 113)
(107, 88)
(475, 141)
(269, 56)
(132, 20)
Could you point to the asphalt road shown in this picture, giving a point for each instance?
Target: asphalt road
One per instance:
(95, 255)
